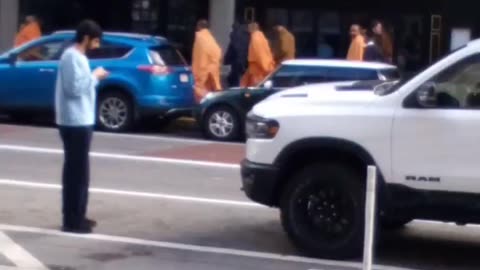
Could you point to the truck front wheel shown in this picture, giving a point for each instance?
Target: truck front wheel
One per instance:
(322, 210)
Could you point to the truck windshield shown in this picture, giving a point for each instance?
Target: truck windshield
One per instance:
(390, 87)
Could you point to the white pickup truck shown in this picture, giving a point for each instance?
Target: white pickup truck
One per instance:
(308, 150)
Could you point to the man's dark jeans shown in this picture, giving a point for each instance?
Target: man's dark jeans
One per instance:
(76, 173)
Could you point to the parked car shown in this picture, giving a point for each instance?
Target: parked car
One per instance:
(221, 115)
(148, 78)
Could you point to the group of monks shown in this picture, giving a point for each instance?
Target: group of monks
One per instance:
(262, 60)
(374, 44)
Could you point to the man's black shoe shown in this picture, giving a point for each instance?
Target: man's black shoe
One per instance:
(83, 228)
(92, 223)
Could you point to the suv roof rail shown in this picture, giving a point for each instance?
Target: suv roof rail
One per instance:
(118, 34)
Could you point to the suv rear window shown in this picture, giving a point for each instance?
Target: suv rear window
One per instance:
(109, 51)
(167, 56)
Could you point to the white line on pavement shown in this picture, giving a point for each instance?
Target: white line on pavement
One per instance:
(27, 184)
(54, 151)
(163, 138)
(187, 247)
(18, 255)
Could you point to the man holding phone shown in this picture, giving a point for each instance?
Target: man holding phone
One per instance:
(75, 99)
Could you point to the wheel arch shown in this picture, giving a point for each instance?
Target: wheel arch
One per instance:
(306, 151)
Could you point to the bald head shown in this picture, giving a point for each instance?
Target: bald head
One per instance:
(355, 30)
(202, 24)
(252, 27)
(30, 19)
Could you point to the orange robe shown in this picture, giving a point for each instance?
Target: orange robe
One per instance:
(206, 64)
(28, 33)
(357, 49)
(260, 60)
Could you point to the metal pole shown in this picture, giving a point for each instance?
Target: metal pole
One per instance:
(370, 217)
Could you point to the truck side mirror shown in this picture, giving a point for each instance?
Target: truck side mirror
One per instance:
(427, 95)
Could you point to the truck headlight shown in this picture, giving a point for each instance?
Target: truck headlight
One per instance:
(261, 128)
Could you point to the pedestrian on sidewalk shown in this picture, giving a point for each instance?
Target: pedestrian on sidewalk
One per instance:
(206, 62)
(284, 47)
(29, 31)
(383, 40)
(357, 46)
(237, 53)
(260, 58)
(75, 97)
(373, 51)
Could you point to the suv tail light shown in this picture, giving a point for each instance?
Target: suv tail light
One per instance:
(155, 69)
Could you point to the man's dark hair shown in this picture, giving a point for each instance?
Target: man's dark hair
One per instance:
(88, 28)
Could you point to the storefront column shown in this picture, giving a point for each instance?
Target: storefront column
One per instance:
(8, 23)
(222, 16)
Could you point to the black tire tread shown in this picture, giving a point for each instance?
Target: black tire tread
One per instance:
(349, 178)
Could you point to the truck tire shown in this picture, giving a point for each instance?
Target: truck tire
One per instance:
(323, 211)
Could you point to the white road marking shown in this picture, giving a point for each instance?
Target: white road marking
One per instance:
(54, 151)
(18, 255)
(187, 247)
(428, 222)
(36, 185)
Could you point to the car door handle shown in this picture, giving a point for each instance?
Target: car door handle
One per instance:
(49, 70)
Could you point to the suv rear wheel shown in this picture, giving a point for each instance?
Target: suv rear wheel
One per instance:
(322, 211)
(115, 112)
(222, 124)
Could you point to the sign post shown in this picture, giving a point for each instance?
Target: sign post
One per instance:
(370, 207)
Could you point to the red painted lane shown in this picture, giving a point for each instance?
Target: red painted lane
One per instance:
(7, 129)
(215, 152)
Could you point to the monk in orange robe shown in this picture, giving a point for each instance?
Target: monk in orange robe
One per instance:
(284, 45)
(357, 47)
(206, 62)
(29, 31)
(260, 58)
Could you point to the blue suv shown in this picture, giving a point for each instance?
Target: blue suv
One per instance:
(148, 78)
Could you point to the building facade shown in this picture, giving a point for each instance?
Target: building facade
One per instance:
(422, 31)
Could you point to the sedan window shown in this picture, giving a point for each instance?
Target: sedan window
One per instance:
(296, 75)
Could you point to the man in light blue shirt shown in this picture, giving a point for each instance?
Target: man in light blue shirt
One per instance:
(75, 97)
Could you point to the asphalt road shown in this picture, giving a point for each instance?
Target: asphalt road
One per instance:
(172, 203)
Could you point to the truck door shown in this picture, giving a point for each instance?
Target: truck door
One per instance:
(437, 147)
